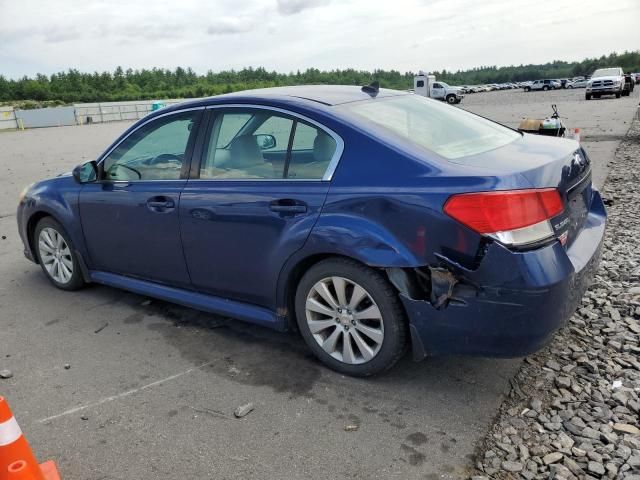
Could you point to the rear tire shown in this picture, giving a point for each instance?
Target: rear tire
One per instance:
(56, 255)
(545, 88)
(343, 300)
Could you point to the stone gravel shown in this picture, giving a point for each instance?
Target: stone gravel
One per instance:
(573, 410)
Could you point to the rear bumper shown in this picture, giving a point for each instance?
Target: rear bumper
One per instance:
(520, 298)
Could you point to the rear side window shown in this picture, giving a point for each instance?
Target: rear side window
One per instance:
(448, 131)
(311, 152)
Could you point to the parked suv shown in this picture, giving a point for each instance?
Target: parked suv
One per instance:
(605, 81)
(542, 85)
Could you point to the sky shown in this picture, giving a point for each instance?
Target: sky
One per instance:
(289, 35)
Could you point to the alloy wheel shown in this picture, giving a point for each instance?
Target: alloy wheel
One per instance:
(55, 255)
(344, 320)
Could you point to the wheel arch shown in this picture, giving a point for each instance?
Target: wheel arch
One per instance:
(293, 271)
(33, 221)
(31, 229)
(290, 277)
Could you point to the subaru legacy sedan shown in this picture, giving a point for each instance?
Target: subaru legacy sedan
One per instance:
(372, 221)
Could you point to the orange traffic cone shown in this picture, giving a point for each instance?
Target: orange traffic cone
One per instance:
(17, 461)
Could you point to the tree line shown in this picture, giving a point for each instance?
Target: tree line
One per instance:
(144, 84)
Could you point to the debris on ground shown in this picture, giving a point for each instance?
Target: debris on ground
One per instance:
(574, 409)
(67, 366)
(350, 428)
(244, 410)
(6, 374)
(101, 328)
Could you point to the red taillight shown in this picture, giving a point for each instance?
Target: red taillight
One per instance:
(500, 211)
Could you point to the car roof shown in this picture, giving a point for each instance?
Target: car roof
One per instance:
(327, 95)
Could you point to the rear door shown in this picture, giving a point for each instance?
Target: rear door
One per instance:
(130, 218)
(251, 203)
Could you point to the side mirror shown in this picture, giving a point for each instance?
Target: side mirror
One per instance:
(86, 173)
(265, 141)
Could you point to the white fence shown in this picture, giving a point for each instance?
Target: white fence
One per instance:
(85, 113)
(115, 111)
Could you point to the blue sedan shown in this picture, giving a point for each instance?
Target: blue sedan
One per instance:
(370, 220)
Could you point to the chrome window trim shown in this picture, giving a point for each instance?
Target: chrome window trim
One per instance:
(333, 163)
(102, 157)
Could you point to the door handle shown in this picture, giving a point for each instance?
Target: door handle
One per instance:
(288, 206)
(160, 204)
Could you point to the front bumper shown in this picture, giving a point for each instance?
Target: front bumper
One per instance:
(605, 90)
(520, 299)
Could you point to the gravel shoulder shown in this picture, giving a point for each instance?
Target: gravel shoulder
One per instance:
(573, 410)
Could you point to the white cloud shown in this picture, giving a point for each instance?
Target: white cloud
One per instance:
(287, 35)
(291, 7)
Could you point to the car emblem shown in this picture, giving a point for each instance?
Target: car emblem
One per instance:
(577, 158)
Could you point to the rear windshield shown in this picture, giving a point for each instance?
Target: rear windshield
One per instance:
(441, 128)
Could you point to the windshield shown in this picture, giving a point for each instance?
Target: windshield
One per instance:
(446, 85)
(443, 129)
(606, 72)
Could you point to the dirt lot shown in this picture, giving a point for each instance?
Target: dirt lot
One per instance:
(151, 388)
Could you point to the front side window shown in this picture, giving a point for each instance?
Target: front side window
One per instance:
(448, 131)
(155, 151)
(265, 145)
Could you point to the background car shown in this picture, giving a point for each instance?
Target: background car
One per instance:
(542, 85)
(368, 219)
(606, 81)
(577, 84)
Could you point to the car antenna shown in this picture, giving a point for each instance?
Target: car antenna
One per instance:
(372, 89)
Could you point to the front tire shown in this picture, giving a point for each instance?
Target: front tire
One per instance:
(618, 95)
(587, 96)
(451, 99)
(527, 89)
(351, 317)
(545, 88)
(56, 255)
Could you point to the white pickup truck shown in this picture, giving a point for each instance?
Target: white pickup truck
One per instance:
(427, 86)
(605, 81)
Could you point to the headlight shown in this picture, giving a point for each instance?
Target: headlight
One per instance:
(24, 192)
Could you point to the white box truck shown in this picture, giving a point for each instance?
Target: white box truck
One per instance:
(426, 85)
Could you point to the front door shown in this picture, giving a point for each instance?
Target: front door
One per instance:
(130, 218)
(260, 191)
